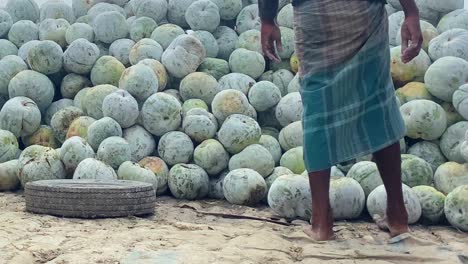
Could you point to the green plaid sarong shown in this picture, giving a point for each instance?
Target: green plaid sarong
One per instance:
(349, 104)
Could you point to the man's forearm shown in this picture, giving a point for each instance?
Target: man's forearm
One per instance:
(409, 7)
(268, 9)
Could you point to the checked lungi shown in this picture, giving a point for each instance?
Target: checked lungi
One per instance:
(349, 104)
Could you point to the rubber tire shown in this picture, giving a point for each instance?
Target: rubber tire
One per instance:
(90, 198)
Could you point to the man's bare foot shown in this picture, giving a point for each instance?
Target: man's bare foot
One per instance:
(321, 228)
(395, 229)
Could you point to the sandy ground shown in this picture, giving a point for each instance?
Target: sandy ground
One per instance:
(177, 233)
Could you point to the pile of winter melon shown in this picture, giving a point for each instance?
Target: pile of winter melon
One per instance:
(177, 93)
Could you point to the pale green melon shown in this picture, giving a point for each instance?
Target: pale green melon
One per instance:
(91, 168)
(429, 32)
(209, 42)
(277, 172)
(54, 30)
(414, 70)
(131, 171)
(429, 152)
(175, 147)
(244, 187)
(203, 15)
(452, 114)
(455, 19)
(211, 156)
(236, 81)
(110, 26)
(154, 9)
(81, 7)
(114, 151)
(199, 127)
(23, 10)
(99, 8)
(79, 127)
(80, 56)
(122, 107)
(367, 174)
(270, 131)
(7, 49)
(451, 141)
(183, 56)
(285, 16)
(102, 129)
(43, 136)
(248, 19)
(46, 57)
(289, 109)
(293, 160)
(160, 171)
(255, 157)
(161, 113)
(21, 116)
(273, 146)
(281, 78)
(432, 203)
(250, 40)
(395, 21)
(73, 151)
(289, 196)
(9, 180)
(347, 198)
(229, 102)
(56, 10)
(415, 171)
(120, 49)
(9, 67)
(22, 32)
(199, 85)
(453, 42)
(5, 23)
(227, 39)
(450, 175)
(55, 107)
(228, 9)
(107, 70)
(443, 7)
(264, 95)
(145, 49)
(62, 120)
(72, 83)
(188, 181)
(192, 104)
(424, 119)
(215, 67)
(8, 146)
(39, 163)
(79, 30)
(459, 100)
(176, 11)
(142, 143)
(140, 81)
(443, 84)
(92, 100)
(377, 203)
(291, 136)
(247, 62)
(159, 70)
(237, 132)
(165, 34)
(413, 91)
(287, 43)
(456, 208)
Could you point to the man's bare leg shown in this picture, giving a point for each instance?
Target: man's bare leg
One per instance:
(322, 217)
(389, 164)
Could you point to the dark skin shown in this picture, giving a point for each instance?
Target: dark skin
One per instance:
(388, 160)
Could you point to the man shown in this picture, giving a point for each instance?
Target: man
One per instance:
(350, 108)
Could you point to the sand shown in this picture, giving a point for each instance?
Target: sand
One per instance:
(177, 233)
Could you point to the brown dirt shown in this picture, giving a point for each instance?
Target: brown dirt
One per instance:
(179, 234)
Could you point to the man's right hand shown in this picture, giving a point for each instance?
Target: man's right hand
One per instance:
(271, 40)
